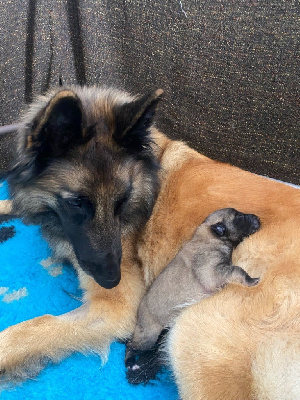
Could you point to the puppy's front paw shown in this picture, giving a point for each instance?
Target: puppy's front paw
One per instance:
(251, 281)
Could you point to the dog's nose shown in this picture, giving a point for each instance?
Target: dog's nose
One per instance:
(104, 268)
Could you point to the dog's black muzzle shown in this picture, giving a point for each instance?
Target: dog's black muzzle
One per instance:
(247, 223)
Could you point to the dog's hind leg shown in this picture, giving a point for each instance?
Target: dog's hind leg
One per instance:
(106, 315)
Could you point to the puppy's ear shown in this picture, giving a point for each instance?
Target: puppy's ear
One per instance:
(133, 120)
(57, 127)
(219, 229)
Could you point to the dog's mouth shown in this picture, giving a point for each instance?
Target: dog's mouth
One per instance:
(107, 273)
(108, 283)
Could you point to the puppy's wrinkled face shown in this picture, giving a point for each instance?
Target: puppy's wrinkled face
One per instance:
(230, 224)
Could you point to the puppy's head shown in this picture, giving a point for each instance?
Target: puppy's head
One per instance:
(230, 224)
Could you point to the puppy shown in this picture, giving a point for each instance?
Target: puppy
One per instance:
(200, 268)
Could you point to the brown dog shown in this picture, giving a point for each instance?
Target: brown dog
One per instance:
(199, 269)
(91, 157)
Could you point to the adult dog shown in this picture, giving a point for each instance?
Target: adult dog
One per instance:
(118, 199)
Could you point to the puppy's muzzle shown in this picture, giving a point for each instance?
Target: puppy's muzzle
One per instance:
(247, 223)
(254, 223)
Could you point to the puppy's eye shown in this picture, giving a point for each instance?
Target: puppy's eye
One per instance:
(219, 229)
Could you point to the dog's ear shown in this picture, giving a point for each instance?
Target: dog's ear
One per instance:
(133, 120)
(57, 126)
(52, 132)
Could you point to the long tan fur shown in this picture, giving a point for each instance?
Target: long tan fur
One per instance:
(226, 347)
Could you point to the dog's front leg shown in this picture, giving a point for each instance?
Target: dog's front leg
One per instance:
(5, 206)
(107, 314)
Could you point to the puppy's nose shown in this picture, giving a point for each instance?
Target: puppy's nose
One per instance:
(255, 222)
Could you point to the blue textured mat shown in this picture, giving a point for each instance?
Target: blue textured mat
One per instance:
(31, 285)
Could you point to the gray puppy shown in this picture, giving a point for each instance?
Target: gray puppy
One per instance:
(199, 269)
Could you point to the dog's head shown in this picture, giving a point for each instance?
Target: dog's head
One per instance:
(230, 224)
(86, 171)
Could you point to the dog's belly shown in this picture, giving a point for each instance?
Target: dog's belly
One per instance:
(202, 186)
(213, 347)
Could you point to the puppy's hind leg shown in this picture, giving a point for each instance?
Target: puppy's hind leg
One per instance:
(143, 366)
(142, 343)
(239, 275)
(145, 337)
(142, 359)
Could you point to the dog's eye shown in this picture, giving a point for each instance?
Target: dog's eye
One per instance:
(219, 229)
(78, 208)
(79, 202)
(121, 202)
(74, 202)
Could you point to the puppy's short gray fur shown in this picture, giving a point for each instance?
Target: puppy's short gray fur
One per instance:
(200, 268)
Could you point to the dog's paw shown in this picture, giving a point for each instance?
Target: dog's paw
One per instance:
(16, 367)
(16, 371)
(5, 207)
(22, 355)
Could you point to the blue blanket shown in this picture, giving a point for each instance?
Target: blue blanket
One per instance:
(32, 285)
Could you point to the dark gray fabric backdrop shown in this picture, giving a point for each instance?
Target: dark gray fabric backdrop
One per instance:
(230, 69)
